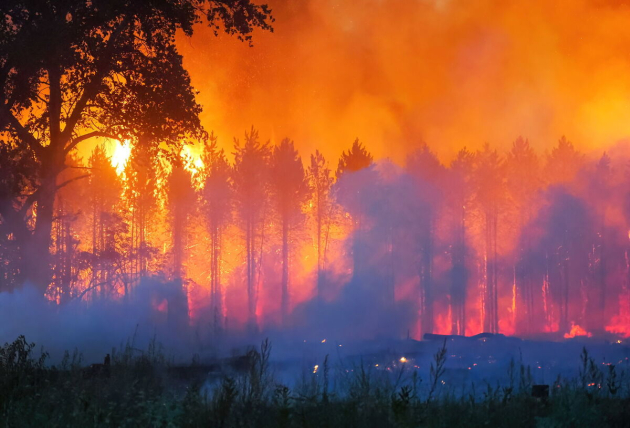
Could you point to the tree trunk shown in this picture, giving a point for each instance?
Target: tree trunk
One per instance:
(37, 250)
(285, 269)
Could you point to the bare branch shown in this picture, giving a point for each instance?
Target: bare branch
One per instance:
(91, 87)
(65, 183)
(21, 131)
(74, 142)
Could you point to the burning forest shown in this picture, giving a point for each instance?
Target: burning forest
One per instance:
(106, 184)
(415, 170)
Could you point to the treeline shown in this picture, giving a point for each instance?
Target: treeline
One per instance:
(514, 242)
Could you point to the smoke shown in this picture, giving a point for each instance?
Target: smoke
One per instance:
(95, 329)
(397, 72)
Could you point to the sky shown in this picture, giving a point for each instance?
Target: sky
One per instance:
(395, 73)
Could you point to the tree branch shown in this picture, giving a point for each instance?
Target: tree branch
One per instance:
(54, 104)
(21, 131)
(65, 183)
(74, 142)
(91, 87)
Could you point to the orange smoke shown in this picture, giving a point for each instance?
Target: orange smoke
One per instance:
(397, 72)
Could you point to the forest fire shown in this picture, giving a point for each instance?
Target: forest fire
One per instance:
(408, 198)
(271, 234)
(441, 259)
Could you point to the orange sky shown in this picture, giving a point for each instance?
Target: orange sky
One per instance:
(397, 72)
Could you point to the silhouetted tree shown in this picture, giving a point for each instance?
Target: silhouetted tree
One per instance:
(66, 259)
(216, 199)
(251, 178)
(459, 199)
(354, 170)
(18, 176)
(563, 163)
(490, 194)
(105, 190)
(428, 173)
(321, 183)
(565, 227)
(75, 70)
(355, 159)
(140, 189)
(289, 190)
(181, 199)
(599, 193)
(523, 183)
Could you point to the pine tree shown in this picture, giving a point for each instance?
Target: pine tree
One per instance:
(290, 190)
(321, 183)
(140, 190)
(216, 202)
(251, 194)
(105, 192)
(355, 169)
(459, 200)
(490, 195)
(428, 173)
(181, 202)
(522, 184)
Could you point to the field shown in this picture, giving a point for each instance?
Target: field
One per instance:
(143, 388)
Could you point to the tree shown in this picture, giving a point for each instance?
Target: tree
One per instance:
(563, 163)
(140, 187)
(566, 228)
(522, 184)
(105, 190)
(181, 199)
(67, 261)
(355, 159)
(354, 171)
(251, 193)
(290, 190)
(490, 188)
(428, 173)
(18, 169)
(321, 183)
(75, 70)
(459, 197)
(216, 202)
(599, 193)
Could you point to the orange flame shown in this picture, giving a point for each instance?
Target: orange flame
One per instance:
(576, 330)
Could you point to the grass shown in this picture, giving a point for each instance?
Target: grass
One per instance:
(138, 390)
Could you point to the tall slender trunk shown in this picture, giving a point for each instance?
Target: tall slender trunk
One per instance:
(426, 278)
(490, 319)
(285, 269)
(495, 282)
(253, 324)
(319, 251)
(215, 279)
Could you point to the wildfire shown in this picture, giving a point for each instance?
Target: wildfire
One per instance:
(192, 158)
(576, 330)
(120, 155)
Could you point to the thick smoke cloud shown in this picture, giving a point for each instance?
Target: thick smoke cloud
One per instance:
(396, 72)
